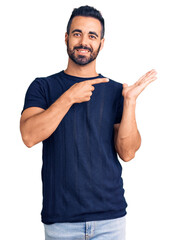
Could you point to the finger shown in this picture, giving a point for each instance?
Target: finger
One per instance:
(140, 79)
(150, 77)
(145, 84)
(146, 77)
(153, 71)
(98, 80)
(151, 80)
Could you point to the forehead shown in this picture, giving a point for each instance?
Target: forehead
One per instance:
(86, 24)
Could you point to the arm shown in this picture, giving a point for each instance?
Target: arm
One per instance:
(37, 124)
(127, 139)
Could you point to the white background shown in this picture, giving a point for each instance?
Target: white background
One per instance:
(140, 36)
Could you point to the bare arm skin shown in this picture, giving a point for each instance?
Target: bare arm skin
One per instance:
(37, 124)
(127, 138)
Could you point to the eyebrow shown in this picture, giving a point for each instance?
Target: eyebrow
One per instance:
(94, 33)
(91, 32)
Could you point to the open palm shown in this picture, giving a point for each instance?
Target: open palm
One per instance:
(133, 91)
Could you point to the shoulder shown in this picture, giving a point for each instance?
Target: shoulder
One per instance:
(113, 82)
(46, 80)
(115, 85)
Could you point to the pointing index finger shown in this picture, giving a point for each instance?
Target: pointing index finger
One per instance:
(98, 80)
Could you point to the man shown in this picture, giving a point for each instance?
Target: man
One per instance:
(83, 120)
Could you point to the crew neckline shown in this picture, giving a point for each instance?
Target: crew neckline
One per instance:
(72, 77)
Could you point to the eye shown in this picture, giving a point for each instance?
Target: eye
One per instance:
(76, 34)
(92, 36)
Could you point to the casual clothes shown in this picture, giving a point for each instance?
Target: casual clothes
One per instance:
(111, 229)
(81, 173)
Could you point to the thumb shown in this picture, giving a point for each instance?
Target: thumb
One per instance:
(125, 85)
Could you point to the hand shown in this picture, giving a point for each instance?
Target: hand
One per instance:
(133, 91)
(81, 92)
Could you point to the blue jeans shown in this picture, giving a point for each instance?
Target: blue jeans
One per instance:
(111, 229)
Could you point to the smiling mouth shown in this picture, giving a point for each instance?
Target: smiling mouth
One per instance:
(82, 50)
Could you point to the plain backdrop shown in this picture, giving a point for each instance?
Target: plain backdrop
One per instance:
(139, 36)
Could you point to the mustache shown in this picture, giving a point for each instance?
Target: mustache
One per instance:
(83, 47)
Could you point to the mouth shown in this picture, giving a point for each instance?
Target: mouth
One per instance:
(82, 51)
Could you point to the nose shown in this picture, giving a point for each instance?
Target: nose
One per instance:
(84, 40)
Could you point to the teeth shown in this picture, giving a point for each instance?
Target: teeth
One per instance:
(82, 51)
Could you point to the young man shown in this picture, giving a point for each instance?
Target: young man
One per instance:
(83, 120)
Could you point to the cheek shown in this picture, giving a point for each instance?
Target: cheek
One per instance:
(95, 46)
(73, 43)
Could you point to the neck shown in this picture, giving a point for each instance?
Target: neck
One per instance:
(88, 70)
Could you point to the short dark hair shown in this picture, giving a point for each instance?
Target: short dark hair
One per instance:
(87, 11)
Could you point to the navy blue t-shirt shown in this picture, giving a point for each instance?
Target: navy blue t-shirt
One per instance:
(81, 173)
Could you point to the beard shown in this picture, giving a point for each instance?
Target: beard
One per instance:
(81, 59)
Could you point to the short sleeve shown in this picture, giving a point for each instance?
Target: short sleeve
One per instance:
(35, 95)
(119, 110)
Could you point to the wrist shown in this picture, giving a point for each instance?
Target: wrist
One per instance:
(69, 97)
(130, 101)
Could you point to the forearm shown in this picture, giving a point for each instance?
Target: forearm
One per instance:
(40, 126)
(128, 139)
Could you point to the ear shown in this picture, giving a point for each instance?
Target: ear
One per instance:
(66, 38)
(102, 44)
